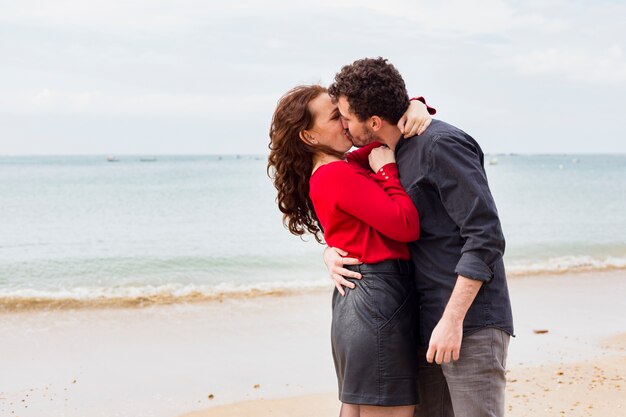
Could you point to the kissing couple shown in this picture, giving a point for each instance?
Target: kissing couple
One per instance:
(421, 316)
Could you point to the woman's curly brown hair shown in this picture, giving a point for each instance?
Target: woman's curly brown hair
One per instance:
(290, 162)
(373, 87)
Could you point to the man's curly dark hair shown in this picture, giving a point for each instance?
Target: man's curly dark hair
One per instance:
(373, 87)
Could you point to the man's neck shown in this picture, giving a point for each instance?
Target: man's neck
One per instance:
(389, 135)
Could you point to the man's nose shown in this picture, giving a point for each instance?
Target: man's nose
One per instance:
(344, 124)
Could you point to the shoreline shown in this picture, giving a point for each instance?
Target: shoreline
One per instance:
(166, 360)
(20, 304)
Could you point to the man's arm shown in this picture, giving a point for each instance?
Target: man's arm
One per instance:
(335, 259)
(445, 342)
(457, 171)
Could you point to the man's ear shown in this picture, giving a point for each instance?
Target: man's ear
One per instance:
(375, 123)
(306, 137)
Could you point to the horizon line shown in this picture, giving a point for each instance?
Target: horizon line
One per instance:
(263, 154)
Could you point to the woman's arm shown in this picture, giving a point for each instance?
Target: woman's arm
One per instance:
(384, 205)
(361, 155)
(417, 118)
(414, 122)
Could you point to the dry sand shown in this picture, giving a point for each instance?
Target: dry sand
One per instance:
(270, 356)
(592, 388)
(576, 368)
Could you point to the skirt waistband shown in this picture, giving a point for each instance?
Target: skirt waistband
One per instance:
(393, 266)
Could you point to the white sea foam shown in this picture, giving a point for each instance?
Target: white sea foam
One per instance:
(564, 264)
(13, 299)
(81, 297)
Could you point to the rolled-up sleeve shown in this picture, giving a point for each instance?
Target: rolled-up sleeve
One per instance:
(457, 172)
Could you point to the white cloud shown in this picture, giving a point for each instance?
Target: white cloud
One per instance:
(457, 18)
(603, 66)
(100, 103)
(163, 66)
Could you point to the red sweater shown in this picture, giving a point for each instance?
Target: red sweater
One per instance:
(367, 214)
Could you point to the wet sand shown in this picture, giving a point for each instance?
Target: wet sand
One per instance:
(270, 356)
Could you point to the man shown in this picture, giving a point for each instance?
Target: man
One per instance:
(465, 312)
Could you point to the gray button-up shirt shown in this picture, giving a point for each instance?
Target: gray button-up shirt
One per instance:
(443, 172)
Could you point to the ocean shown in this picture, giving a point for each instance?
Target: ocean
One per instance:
(80, 231)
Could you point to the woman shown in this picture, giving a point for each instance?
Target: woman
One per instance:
(357, 202)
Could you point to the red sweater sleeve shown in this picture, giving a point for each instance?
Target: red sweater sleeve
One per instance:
(384, 206)
(361, 155)
(431, 110)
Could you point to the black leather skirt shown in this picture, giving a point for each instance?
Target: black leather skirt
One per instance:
(373, 336)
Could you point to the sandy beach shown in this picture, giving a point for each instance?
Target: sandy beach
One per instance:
(270, 356)
(593, 388)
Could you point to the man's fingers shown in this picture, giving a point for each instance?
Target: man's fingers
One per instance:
(342, 281)
(351, 261)
(456, 354)
(340, 289)
(446, 356)
(340, 251)
(430, 355)
(439, 356)
(346, 273)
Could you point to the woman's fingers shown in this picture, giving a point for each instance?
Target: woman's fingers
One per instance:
(411, 128)
(401, 123)
(423, 126)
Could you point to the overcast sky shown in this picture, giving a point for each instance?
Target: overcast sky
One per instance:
(198, 76)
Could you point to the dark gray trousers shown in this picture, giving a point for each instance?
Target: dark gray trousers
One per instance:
(473, 386)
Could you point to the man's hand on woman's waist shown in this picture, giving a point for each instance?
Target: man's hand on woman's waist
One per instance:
(335, 259)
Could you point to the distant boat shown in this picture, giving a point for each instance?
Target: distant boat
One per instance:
(112, 158)
(493, 161)
(575, 160)
(152, 159)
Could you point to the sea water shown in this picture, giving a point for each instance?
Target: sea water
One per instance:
(83, 229)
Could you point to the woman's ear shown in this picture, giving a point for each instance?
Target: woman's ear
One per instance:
(307, 138)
